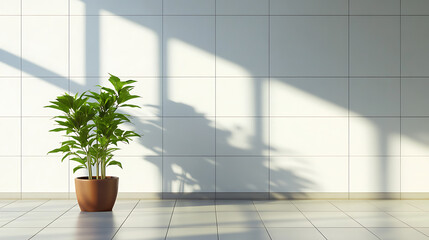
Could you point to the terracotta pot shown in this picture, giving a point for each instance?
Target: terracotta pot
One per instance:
(96, 195)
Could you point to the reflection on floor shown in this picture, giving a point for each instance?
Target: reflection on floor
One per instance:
(221, 219)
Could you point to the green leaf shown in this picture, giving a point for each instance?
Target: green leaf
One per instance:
(78, 167)
(111, 163)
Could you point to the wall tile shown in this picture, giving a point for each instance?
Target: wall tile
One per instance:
(189, 174)
(242, 46)
(318, 48)
(242, 7)
(375, 46)
(374, 174)
(38, 92)
(309, 97)
(415, 7)
(150, 142)
(36, 138)
(189, 46)
(241, 136)
(309, 174)
(139, 174)
(11, 174)
(242, 96)
(189, 136)
(45, 7)
(414, 175)
(415, 137)
(189, 96)
(52, 177)
(121, 46)
(374, 136)
(375, 7)
(374, 96)
(189, 7)
(10, 142)
(10, 97)
(309, 136)
(309, 7)
(414, 96)
(45, 46)
(252, 178)
(10, 46)
(415, 52)
(10, 7)
(114, 7)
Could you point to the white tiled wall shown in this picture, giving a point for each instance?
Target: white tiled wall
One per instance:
(237, 95)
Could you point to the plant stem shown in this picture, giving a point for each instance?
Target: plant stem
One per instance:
(88, 159)
(96, 169)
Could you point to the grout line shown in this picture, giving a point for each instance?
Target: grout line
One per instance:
(226, 77)
(215, 110)
(68, 81)
(162, 99)
(21, 151)
(269, 99)
(260, 218)
(308, 220)
(348, 99)
(211, 15)
(51, 222)
(172, 212)
(119, 228)
(217, 221)
(400, 101)
(268, 117)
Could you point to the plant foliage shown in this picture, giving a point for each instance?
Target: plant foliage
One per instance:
(91, 122)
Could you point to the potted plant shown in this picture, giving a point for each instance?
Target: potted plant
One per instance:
(91, 123)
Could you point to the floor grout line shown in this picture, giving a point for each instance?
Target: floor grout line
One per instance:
(171, 218)
(260, 218)
(119, 228)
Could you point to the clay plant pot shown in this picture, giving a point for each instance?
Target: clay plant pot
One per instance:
(96, 195)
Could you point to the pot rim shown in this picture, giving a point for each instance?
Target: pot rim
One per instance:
(85, 178)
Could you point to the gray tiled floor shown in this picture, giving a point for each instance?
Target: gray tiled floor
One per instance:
(217, 220)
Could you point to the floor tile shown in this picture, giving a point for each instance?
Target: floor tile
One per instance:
(284, 219)
(315, 206)
(5, 202)
(355, 206)
(17, 233)
(234, 206)
(90, 219)
(141, 234)
(148, 219)
(331, 219)
(76, 234)
(120, 205)
(420, 204)
(425, 231)
(56, 206)
(398, 234)
(394, 206)
(201, 233)
(295, 234)
(155, 205)
(6, 217)
(34, 219)
(376, 219)
(414, 219)
(351, 233)
(243, 234)
(239, 219)
(22, 206)
(194, 206)
(275, 206)
(193, 219)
